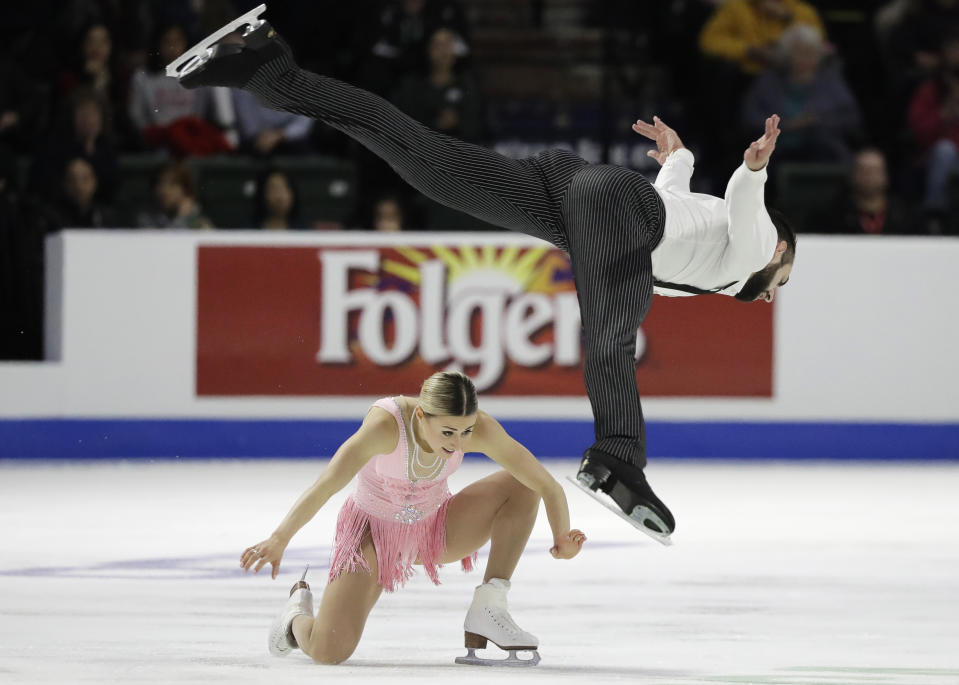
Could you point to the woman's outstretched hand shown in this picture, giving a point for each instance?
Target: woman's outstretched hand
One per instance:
(667, 142)
(270, 551)
(568, 546)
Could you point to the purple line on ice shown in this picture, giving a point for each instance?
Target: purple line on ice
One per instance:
(208, 567)
(184, 568)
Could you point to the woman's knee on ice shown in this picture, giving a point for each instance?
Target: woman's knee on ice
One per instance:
(327, 657)
(329, 648)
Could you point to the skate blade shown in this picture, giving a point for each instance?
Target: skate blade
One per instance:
(301, 583)
(195, 56)
(641, 512)
(512, 661)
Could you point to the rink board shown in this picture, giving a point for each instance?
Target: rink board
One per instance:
(192, 344)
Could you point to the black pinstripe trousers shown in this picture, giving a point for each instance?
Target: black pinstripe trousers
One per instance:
(607, 218)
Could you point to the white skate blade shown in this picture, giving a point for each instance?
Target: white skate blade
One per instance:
(512, 661)
(601, 497)
(195, 56)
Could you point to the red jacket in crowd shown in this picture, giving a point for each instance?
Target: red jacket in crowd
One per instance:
(928, 118)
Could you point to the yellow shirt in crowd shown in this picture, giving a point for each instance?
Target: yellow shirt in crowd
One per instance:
(737, 26)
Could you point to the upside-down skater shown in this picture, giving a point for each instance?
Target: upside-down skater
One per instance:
(402, 513)
(626, 238)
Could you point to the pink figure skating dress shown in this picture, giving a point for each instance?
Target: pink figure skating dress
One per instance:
(406, 519)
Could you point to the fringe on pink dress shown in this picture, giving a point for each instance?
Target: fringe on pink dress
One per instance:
(406, 519)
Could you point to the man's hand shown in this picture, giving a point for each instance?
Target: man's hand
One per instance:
(665, 138)
(758, 152)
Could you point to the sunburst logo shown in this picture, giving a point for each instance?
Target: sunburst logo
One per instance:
(511, 269)
(468, 307)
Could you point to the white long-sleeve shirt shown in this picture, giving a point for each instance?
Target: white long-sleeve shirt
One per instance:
(710, 242)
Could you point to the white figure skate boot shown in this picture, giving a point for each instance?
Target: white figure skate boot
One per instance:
(488, 619)
(281, 641)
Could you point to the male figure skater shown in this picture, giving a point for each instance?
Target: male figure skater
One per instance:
(624, 236)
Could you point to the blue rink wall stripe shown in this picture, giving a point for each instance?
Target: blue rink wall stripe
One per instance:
(225, 438)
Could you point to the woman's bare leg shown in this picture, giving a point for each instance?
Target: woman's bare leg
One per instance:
(332, 636)
(497, 508)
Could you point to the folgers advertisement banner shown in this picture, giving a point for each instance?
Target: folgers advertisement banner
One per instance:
(375, 319)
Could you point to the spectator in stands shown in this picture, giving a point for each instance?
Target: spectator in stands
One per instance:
(92, 65)
(167, 115)
(79, 207)
(130, 22)
(276, 203)
(745, 32)
(83, 135)
(934, 122)
(22, 111)
(93, 69)
(913, 36)
(890, 16)
(133, 22)
(399, 39)
(819, 112)
(264, 131)
(198, 17)
(388, 214)
(865, 205)
(910, 34)
(442, 98)
(887, 22)
(738, 41)
(175, 194)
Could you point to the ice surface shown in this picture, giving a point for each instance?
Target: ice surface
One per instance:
(780, 573)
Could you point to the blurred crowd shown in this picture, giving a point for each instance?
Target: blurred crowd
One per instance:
(868, 93)
(778, 56)
(82, 85)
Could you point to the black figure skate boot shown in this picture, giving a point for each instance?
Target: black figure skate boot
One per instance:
(626, 485)
(232, 55)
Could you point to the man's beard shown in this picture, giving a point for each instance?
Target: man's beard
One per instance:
(758, 283)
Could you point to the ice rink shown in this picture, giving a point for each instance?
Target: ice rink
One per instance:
(788, 574)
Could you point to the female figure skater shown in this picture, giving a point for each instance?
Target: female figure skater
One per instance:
(402, 513)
